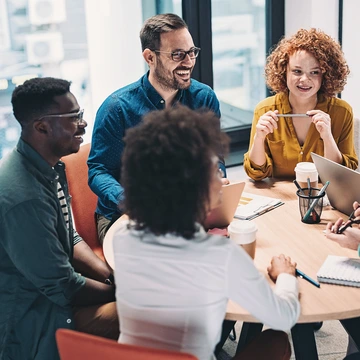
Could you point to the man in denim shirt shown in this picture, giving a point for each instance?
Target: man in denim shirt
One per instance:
(40, 253)
(170, 53)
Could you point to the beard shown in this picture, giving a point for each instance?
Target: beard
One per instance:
(167, 81)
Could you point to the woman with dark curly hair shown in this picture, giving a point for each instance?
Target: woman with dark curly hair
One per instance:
(305, 72)
(173, 280)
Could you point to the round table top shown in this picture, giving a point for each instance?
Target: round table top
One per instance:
(281, 231)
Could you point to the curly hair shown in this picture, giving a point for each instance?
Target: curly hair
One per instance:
(167, 167)
(157, 25)
(35, 97)
(325, 50)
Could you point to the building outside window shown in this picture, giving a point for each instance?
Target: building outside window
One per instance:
(40, 38)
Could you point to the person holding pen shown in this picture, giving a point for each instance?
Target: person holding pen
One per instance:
(347, 236)
(305, 71)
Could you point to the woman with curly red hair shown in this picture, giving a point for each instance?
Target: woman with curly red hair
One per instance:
(305, 72)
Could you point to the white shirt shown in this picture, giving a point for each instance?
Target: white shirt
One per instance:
(172, 293)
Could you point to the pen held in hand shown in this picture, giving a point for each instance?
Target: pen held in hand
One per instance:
(349, 222)
(307, 278)
(292, 115)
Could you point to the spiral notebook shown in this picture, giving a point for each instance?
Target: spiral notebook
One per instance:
(340, 270)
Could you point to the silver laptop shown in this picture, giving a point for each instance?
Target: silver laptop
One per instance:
(224, 213)
(344, 187)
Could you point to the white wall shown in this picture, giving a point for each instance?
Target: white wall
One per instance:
(321, 14)
(115, 56)
(351, 47)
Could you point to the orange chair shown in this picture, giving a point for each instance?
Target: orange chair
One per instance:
(84, 201)
(74, 345)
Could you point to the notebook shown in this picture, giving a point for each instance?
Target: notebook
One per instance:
(340, 270)
(224, 214)
(251, 206)
(344, 187)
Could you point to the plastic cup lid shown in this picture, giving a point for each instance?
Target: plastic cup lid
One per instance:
(242, 226)
(305, 167)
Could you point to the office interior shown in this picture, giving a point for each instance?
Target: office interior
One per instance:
(96, 46)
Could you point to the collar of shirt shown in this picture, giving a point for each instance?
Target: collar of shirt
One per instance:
(322, 103)
(37, 160)
(154, 96)
(170, 239)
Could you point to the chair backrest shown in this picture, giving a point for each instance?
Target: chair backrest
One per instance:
(83, 201)
(74, 345)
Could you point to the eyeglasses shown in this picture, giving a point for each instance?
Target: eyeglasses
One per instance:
(181, 55)
(78, 116)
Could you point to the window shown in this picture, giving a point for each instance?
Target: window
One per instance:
(40, 38)
(238, 42)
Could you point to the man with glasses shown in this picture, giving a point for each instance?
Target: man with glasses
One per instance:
(170, 53)
(41, 255)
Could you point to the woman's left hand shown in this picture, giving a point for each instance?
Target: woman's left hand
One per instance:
(322, 122)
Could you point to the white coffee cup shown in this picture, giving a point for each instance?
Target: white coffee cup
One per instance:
(243, 232)
(305, 170)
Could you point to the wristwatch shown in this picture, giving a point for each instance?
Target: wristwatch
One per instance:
(110, 280)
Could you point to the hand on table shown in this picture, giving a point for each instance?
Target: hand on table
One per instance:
(281, 264)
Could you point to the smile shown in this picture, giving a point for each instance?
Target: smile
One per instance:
(79, 138)
(304, 87)
(182, 73)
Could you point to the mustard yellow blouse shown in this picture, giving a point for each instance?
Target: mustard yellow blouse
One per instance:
(282, 147)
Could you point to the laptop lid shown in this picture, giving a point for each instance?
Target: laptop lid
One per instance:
(344, 187)
(224, 213)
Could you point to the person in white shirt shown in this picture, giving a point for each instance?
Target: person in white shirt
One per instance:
(173, 280)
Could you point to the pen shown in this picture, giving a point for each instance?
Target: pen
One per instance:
(272, 207)
(309, 186)
(292, 115)
(299, 187)
(314, 203)
(350, 221)
(307, 278)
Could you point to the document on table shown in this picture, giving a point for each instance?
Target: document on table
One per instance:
(251, 206)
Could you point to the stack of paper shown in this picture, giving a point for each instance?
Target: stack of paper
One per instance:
(251, 206)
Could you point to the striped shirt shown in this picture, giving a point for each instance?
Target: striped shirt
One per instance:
(64, 207)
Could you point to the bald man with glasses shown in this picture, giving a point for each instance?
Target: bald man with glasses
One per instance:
(170, 53)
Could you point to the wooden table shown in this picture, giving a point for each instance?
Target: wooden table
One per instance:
(281, 231)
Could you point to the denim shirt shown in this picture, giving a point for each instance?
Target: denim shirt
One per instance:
(37, 281)
(122, 110)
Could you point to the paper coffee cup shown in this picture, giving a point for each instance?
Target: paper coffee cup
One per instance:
(305, 170)
(243, 232)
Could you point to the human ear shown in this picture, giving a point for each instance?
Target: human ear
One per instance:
(41, 126)
(149, 56)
